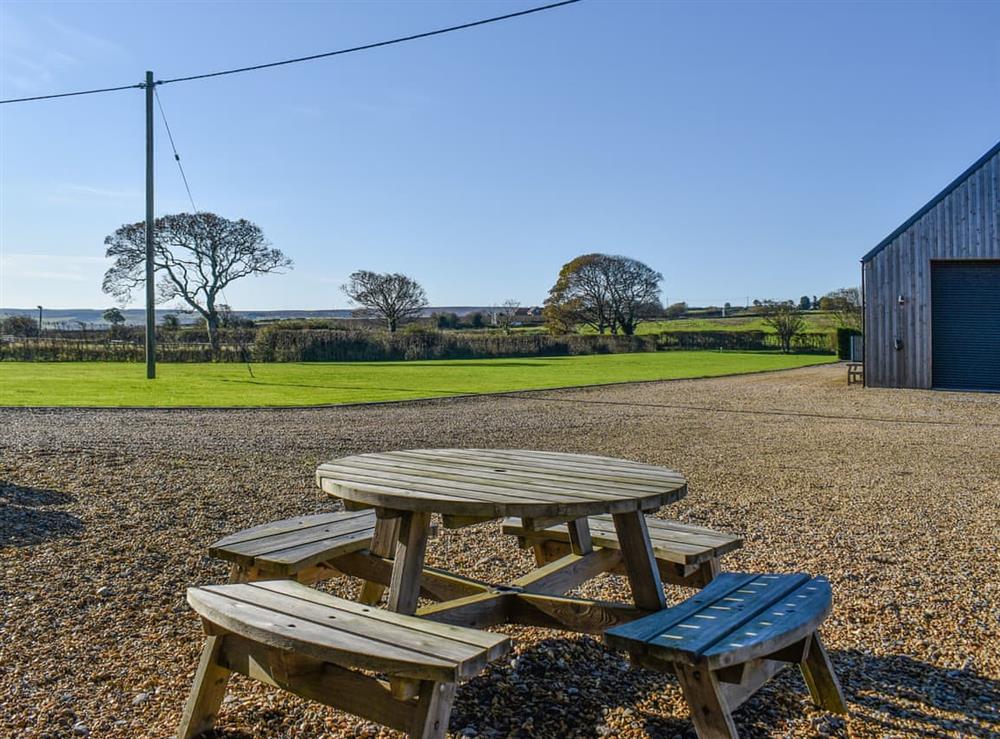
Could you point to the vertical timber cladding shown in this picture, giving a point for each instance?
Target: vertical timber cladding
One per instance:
(961, 224)
(965, 312)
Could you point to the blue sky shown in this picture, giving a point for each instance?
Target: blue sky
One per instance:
(742, 149)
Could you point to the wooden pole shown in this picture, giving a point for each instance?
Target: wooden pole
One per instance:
(150, 287)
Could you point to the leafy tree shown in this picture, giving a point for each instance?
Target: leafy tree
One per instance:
(786, 320)
(392, 297)
(446, 320)
(113, 316)
(608, 293)
(845, 305)
(19, 326)
(676, 310)
(228, 318)
(805, 303)
(476, 320)
(196, 256)
(171, 321)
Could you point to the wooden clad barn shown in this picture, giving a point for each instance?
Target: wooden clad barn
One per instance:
(932, 290)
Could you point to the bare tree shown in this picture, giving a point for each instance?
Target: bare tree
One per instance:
(607, 293)
(786, 320)
(635, 292)
(196, 255)
(505, 314)
(392, 297)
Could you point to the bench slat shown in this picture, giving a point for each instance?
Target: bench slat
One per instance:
(788, 619)
(297, 523)
(318, 625)
(736, 618)
(331, 532)
(495, 644)
(286, 547)
(672, 541)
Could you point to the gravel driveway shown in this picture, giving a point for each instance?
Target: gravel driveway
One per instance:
(105, 516)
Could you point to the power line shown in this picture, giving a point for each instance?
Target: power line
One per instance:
(376, 45)
(177, 157)
(71, 94)
(194, 208)
(312, 57)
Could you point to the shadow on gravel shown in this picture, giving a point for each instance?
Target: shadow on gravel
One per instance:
(896, 691)
(556, 688)
(568, 687)
(24, 520)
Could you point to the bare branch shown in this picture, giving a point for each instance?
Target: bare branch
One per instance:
(195, 257)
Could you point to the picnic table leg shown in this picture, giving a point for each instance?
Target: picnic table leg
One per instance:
(383, 545)
(640, 563)
(709, 710)
(408, 566)
(210, 680)
(579, 536)
(433, 710)
(821, 679)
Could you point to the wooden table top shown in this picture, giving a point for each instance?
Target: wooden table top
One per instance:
(500, 482)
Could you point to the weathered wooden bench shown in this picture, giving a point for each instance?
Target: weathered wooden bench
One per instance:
(318, 646)
(685, 554)
(729, 639)
(855, 373)
(297, 548)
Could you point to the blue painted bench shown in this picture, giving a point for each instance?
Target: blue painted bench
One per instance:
(730, 638)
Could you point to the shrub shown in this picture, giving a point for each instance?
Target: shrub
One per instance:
(844, 341)
(277, 345)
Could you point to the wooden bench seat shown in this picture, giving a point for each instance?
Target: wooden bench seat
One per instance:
(730, 638)
(686, 554)
(296, 548)
(315, 645)
(855, 373)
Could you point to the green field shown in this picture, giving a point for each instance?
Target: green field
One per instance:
(816, 321)
(122, 384)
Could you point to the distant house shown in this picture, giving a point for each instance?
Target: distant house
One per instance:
(932, 290)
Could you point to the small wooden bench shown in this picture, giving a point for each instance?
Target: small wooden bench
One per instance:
(315, 645)
(686, 554)
(296, 548)
(729, 639)
(855, 373)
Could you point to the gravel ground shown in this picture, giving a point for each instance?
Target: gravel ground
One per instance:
(105, 516)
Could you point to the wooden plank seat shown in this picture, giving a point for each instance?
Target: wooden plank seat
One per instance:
(685, 554)
(730, 638)
(296, 548)
(855, 373)
(322, 648)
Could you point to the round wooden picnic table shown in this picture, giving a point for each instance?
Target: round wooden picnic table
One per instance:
(468, 486)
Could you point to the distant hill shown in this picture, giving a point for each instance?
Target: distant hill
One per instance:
(70, 318)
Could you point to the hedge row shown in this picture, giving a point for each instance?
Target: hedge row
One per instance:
(812, 342)
(62, 350)
(275, 344)
(279, 345)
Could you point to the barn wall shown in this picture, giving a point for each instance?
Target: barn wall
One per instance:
(964, 224)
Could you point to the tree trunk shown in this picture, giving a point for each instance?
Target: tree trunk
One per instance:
(212, 322)
(392, 325)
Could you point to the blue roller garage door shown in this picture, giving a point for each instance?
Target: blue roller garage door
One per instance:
(965, 330)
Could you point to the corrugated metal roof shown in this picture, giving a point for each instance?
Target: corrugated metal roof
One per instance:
(937, 199)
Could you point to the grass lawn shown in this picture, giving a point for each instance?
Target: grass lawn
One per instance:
(124, 384)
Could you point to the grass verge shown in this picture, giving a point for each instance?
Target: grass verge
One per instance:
(111, 384)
